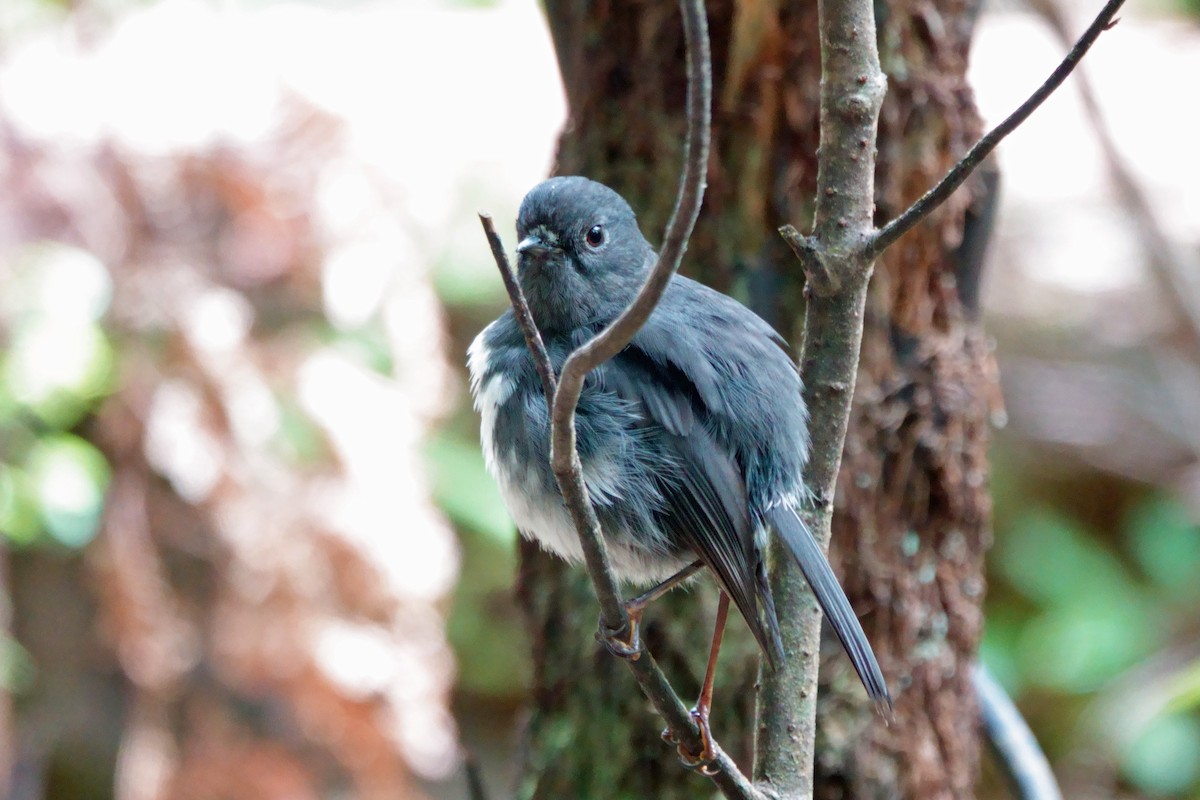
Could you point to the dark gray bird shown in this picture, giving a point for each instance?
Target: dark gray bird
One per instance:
(692, 440)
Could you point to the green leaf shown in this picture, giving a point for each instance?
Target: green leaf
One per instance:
(999, 649)
(1185, 689)
(464, 490)
(1052, 561)
(58, 370)
(17, 668)
(1166, 543)
(298, 437)
(1080, 646)
(1164, 760)
(69, 478)
(19, 520)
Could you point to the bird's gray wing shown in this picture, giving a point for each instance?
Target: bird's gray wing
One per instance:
(726, 362)
(704, 505)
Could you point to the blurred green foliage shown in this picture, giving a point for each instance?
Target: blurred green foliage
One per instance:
(483, 627)
(1166, 544)
(464, 490)
(17, 670)
(1075, 611)
(1185, 692)
(1092, 620)
(57, 365)
(1164, 760)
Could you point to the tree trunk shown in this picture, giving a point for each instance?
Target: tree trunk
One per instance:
(912, 508)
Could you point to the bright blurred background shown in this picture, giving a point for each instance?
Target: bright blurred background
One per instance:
(250, 548)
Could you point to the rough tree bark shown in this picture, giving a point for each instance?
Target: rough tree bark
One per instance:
(912, 508)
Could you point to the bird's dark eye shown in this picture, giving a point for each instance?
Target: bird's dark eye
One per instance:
(595, 236)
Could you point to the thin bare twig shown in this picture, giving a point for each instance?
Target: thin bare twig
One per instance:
(1175, 269)
(564, 457)
(852, 91)
(923, 207)
(475, 787)
(1015, 747)
(845, 243)
(533, 337)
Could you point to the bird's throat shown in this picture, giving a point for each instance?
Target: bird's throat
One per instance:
(558, 299)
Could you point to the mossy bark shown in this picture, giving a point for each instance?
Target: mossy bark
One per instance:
(912, 511)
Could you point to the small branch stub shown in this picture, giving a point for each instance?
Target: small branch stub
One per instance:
(821, 281)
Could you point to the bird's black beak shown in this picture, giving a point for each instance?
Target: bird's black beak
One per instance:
(534, 246)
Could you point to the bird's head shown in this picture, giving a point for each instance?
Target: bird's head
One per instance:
(581, 255)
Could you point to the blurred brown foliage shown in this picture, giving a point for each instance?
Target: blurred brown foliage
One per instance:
(236, 635)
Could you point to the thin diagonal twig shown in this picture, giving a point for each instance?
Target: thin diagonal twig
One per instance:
(533, 337)
(475, 787)
(1175, 269)
(928, 202)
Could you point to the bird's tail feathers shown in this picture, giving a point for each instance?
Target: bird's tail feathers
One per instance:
(767, 631)
(833, 602)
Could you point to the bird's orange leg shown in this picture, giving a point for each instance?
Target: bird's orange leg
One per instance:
(700, 713)
(628, 643)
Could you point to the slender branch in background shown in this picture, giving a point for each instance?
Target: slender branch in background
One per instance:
(924, 206)
(1013, 744)
(533, 337)
(564, 456)
(475, 787)
(1176, 269)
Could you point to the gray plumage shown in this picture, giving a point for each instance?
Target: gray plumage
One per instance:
(692, 440)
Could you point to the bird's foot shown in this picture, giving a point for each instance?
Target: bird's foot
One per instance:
(625, 642)
(704, 760)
